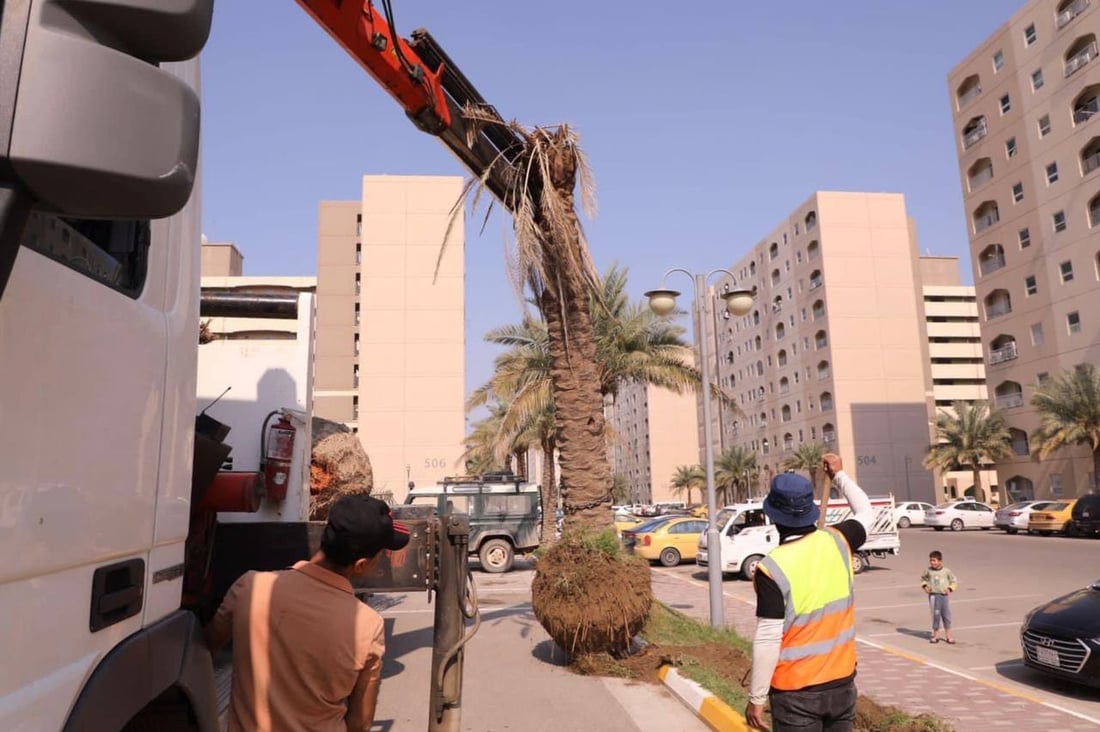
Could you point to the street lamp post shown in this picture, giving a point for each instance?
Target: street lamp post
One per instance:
(908, 493)
(738, 302)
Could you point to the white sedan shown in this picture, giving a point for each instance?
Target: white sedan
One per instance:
(910, 513)
(1015, 517)
(960, 515)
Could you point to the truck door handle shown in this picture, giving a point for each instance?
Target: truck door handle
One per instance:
(118, 592)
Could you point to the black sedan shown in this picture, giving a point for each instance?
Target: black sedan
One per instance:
(1062, 637)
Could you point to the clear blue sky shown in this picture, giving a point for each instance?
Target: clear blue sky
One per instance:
(705, 122)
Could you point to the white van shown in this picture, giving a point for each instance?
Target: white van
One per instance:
(748, 534)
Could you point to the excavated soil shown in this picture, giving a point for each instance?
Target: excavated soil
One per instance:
(590, 601)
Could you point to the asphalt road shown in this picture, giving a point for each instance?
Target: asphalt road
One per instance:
(1001, 578)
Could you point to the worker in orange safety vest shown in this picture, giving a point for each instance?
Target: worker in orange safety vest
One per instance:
(804, 650)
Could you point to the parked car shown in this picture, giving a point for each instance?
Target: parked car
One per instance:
(669, 542)
(1085, 518)
(1054, 517)
(911, 513)
(959, 515)
(1062, 637)
(1014, 518)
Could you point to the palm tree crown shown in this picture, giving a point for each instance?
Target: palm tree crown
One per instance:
(974, 434)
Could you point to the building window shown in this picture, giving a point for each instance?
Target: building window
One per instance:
(1042, 378)
(1036, 334)
(1006, 104)
(1094, 211)
(1059, 220)
(1073, 322)
(773, 251)
(357, 313)
(358, 283)
(998, 61)
(358, 252)
(1080, 53)
(1044, 126)
(1031, 287)
(1065, 269)
(1036, 79)
(1018, 192)
(1024, 236)
(356, 343)
(1052, 173)
(1010, 147)
(1029, 35)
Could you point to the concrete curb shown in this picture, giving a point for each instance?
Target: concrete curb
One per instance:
(714, 712)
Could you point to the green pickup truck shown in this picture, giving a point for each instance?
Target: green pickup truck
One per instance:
(504, 513)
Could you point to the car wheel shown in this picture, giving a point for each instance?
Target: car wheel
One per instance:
(496, 556)
(904, 522)
(1070, 529)
(1011, 531)
(859, 563)
(670, 557)
(957, 525)
(938, 528)
(748, 567)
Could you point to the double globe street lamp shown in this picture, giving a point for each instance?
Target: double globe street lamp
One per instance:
(737, 302)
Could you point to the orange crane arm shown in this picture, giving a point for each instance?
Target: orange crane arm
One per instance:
(429, 87)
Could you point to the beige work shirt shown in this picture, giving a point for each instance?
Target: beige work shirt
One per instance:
(307, 654)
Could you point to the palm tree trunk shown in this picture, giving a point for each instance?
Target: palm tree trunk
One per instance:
(979, 494)
(549, 493)
(574, 371)
(1096, 469)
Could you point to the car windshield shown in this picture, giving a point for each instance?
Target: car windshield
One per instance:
(724, 516)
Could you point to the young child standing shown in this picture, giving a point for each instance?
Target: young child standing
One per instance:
(939, 582)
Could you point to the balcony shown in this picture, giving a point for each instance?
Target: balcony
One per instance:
(1066, 16)
(816, 282)
(1004, 353)
(991, 264)
(998, 309)
(969, 95)
(1079, 59)
(1009, 401)
(980, 178)
(974, 134)
(981, 223)
(1089, 164)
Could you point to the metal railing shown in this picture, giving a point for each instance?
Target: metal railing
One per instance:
(1004, 353)
(1010, 401)
(969, 95)
(972, 137)
(991, 264)
(982, 177)
(1070, 13)
(981, 223)
(1082, 57)
(816, 282)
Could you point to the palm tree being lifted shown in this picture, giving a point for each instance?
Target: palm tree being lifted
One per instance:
(1069, 413)
(974, 435)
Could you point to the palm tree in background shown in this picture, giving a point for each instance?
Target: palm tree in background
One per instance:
(1069, 414)
(972, 434)
(808, 457)
(687, 478)
(735, 469)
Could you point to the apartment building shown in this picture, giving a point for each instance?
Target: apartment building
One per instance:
(390, 352)
(1025, 105)
(653, 432)
(834, 350)
(956, 364)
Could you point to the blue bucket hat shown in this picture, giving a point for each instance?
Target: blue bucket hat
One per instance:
(790, 501)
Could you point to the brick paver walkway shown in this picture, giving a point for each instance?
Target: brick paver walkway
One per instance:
(890, 677)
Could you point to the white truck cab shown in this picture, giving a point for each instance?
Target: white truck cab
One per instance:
(747, 534)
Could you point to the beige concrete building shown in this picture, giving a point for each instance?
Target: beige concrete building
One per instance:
(956, 365)
(834, 350)
(390, 352)
(653, 434)
(1025, 105)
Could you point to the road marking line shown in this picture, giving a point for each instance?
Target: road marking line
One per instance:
(954, 627)
(953, 602)
(706, 584)
(991, 684)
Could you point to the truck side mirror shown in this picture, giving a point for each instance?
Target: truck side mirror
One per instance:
(91, 126)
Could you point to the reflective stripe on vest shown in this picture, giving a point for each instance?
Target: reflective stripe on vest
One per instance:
(814, 574)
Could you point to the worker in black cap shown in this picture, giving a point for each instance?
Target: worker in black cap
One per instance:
(307, 654)
(804, 649)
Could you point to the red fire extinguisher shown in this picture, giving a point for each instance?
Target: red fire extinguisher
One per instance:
(278, 452)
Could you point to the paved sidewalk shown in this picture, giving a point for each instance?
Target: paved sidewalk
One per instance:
(897, 678)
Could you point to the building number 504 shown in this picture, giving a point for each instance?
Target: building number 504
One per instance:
(866, 460)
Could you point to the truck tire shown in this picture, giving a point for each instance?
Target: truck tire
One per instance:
(496, 556)
(748, 567)
(859, 563)
(669, 557)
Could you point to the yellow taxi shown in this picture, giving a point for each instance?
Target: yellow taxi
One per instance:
(1054, 517)
(668, 540)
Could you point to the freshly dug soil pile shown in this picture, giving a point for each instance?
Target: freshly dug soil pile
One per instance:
(590, 601)
(338, 465)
